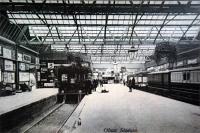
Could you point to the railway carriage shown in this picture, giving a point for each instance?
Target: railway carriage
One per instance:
(182, 84)
(185, 84)
(140, 79)
(159, 82)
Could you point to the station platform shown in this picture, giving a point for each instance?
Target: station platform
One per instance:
(121, 111)
(25, 106)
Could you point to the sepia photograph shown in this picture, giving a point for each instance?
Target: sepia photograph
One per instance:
(99, 66)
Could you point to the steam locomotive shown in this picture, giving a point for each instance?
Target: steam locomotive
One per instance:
(73, 81)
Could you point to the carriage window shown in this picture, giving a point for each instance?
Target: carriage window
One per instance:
(198, 76)
(184, 76)
(193, 77)
(188, 75)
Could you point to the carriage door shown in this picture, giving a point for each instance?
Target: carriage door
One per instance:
(186, 77)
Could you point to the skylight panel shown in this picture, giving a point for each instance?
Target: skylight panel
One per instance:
(186, 22)
(142, 32)
(82, 22)
(178, 32)
(171, 2)
(194, 28)
(60, 21)
(185, 16)
(69, 17)
(121, 17)
(4, 0)
(183, 2)
(195, 2)
(156, 2)
(71, 21)
(120, 22)
(166, 32)
(49, 40)
(18, 1)
(16, 15)
(142, 28)
(54, 21)
(49, 22)
(92, 16)
(110, 16)
(136, 2)
(58, 16)
(52, 16)
(148, 16)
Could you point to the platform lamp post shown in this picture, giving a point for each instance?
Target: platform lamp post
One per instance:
(132, 51)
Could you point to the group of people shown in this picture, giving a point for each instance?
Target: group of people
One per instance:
(92, 84)
(130, 83)
(89, 85)
(95, 83)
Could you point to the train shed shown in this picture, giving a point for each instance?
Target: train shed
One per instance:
(100, 66)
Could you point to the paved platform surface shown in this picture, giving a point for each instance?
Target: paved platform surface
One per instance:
(13, 102)
(137, 111)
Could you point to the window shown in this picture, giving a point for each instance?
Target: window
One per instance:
(176, 77)
(188, 75)
(184, 76)
(195, 77)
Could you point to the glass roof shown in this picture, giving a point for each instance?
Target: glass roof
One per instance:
(105, 1)
(108, 35)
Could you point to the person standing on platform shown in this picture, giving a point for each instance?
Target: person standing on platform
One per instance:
(95, 84)
(133, 83)
(124, 82)
(100, 83)
(88, 86)
(130, 85)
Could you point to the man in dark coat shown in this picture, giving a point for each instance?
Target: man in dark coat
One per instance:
(101, 83)
(124, 82)
(133, 83)
(95, 84)
(129, 84)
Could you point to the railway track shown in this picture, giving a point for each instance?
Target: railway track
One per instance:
(54, 121)
(180, 94)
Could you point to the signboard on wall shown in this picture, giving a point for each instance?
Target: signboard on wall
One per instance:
(7, 53)
(37, 61)
(26, 58)
(50, 65)
(27, 67)
(8, 65)
(9, 77)
(22, 66)
(19, 57)
(24, 76)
